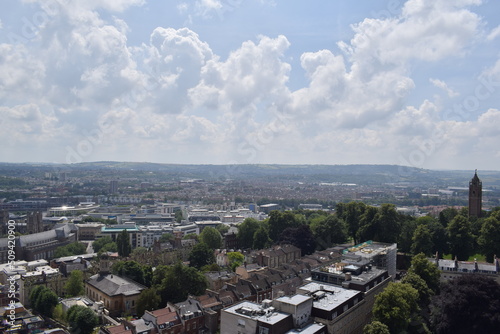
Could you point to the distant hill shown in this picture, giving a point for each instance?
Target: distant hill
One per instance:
(359, 174)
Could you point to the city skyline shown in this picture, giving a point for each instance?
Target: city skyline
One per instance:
(411, 83)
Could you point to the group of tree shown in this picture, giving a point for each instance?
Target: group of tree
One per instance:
(43, 300)
(453, 232)
(81, 319)
(466, 304)
(399, 304)
(171, 284)
(104, 244)
(74, 248)
(142, 274)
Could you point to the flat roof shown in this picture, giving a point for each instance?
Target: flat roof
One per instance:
(294, 300)
(255, 311)
(309, 329)
(333, 295)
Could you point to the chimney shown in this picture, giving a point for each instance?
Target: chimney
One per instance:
(347, 276)
(456, 263)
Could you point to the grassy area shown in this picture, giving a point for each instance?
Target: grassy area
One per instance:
(479, 257)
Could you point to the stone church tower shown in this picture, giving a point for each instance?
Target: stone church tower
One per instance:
(475, 196)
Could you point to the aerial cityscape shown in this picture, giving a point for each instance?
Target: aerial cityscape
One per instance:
(249, 167)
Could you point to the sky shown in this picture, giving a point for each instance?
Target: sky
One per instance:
(413, 83)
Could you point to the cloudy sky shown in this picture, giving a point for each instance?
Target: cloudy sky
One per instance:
(413, 83)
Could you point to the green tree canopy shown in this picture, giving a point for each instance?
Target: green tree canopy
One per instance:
(149, 300)
(489, 237)
(405, 240)
(193, 236)
(467, 304)
(279, 221)
(123, 244)
(98, 244)
(180, 281)
(82, 320)
(422, 241)
(43, 300)
(211, 237)
(328, 231)
(235, 259)
(201, 255)
(395, 306)
(246, 232)
(427, 270)
(351, 214)
(130, 269)
(417, 282)
(166, 237)
(300, 237)
(261, 238)
(461, 240)
(376, 327)
(74, 248)
(74, 285)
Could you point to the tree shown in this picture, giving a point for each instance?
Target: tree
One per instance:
(395, 306)
(130, 269)
(489, 238)
(74, 285)
(178, 216)
(261, 238)
(328, 231)
(43, 300)
(405, 240)
(222, 228)
(367, 224)
(235, 259)
(101, 242)
(201, 255)
(166, 237)
(279, 221)
(376, 327)
(460, 237)
(447, 215)
(74, 248)
(179, 282)
(388, 226)
(192, 236)
(427, 270)
(467, 304)
(123, 244)
(300, 237)
(149, 300)
(351, 214)
(211, 237)
(139, 251)
(424, 293)
(81, 319)
(246, 232)
(422, 241)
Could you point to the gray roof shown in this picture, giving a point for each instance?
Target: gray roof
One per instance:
(25, 240)
(113, 285)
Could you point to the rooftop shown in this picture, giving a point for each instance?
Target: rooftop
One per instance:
(257, 312)
(293, 300)
(326, 296)
(113, 285)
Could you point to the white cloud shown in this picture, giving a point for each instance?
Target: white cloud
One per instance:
(442, 85)
(172, 96)
(493, 34)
